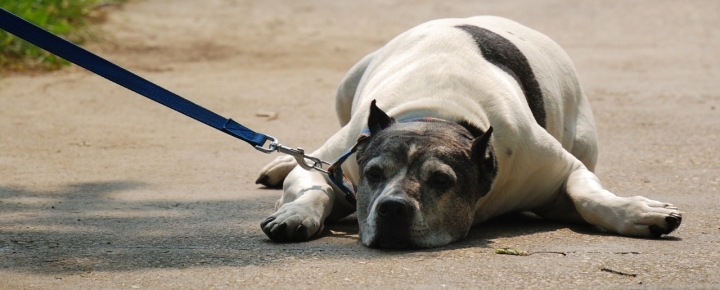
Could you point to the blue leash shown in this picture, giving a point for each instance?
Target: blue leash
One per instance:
(104, 68)
(77, 55)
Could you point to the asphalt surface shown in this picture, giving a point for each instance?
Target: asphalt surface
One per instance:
(103, 189)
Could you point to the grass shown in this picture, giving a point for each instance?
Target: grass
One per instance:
(71, 19)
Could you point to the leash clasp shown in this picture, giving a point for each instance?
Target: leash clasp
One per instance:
(272, 147)
(305, 161)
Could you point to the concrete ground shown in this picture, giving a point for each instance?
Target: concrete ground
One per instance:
(103, 189)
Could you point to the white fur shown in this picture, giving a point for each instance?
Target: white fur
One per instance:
(434, 70)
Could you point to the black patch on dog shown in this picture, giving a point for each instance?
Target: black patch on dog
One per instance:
(505, 55)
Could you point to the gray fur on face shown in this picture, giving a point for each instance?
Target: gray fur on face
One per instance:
(419, 182)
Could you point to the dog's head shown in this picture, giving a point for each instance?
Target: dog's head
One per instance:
(420, 181)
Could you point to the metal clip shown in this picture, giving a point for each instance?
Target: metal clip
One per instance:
(272, 147)
(305, 161)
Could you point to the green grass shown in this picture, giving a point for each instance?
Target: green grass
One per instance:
(70, 19)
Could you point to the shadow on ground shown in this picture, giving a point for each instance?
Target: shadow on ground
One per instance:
(84, 228)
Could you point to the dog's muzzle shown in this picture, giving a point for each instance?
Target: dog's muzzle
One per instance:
(393, 219)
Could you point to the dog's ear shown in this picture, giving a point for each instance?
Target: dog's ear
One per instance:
(483, 154)
(378, 120)
(474, 131)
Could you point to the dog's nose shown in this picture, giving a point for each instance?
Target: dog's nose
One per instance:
(394, 217)
(395, 209)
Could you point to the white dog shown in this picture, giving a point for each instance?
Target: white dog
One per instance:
(484, 117)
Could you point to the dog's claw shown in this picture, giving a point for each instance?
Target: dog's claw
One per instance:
(277, 228)
(263, 179)
(281, 233)
(673, 220)
(656, 231)
(277, 233)
(266, 221)
(274, 231)
(300, 234)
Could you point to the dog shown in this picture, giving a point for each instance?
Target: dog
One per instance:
(461, 120)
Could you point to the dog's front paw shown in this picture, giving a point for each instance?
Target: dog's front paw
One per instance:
(648, 218)
(292, 222)
(273, 174)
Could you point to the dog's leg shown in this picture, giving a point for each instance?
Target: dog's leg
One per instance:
(631, 216)
(585, 147)
(308, 198)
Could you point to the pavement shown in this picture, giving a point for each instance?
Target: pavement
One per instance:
(103, 189)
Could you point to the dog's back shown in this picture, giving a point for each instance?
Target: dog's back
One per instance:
(454, 57)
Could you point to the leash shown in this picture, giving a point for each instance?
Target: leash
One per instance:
(104, 68)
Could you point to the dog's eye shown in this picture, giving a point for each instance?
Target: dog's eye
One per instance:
(374, 174)
(441, 181)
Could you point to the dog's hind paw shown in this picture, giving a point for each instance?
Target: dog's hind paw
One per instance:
(274, 173)
(649, 218)
(292, 223)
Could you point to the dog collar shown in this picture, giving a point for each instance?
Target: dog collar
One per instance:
(336, 175)
(335, 172)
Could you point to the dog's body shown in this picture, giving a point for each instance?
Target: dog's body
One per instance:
(516, 134)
